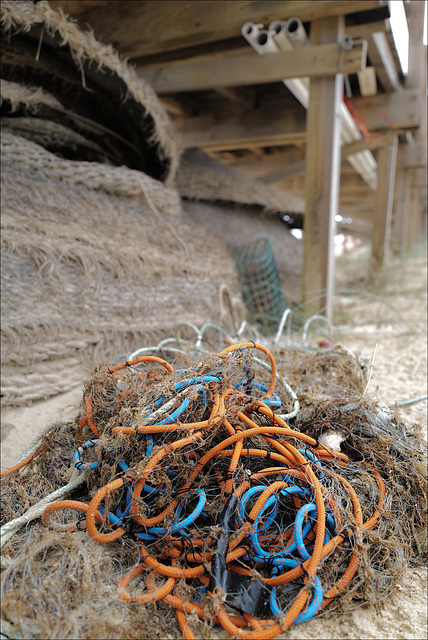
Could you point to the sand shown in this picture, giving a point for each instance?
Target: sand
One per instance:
(386, 324)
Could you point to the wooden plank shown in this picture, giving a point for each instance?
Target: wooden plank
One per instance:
(270, 127)
(249, 69)
(387, 157)
(253, 128)
(373, 142)
(412, 155)
(388, 111)
(348, 150)
(363, 31)
(284, 172)
(356, 200)
(381, 57)
(276, 159)
(367, 82)
(295, 168)
(149, 27)
(322, 179)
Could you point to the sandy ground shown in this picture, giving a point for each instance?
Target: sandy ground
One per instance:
(382, 318)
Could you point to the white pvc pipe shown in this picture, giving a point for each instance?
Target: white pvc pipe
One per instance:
(275, 26)
(296, 32)
(299, 87)
(273, 40)
(265, 41)
(250, 32)
(277, 29)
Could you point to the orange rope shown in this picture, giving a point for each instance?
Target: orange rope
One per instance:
(67, 504)
(156, 593)
(22, 463)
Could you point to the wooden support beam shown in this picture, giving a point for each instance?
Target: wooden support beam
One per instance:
(275, 159)
(322, 179)
(353, 191)
(374, 142)
(249, 69)
(149, 27)
(387, 157)
(381, 57)
(392, 111)
(378, 140)
(284, 172)
(252, 128)
(363, 31)
(272, 127)
(234, 96)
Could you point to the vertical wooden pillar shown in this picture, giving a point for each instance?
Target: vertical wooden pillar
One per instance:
(417, 212)
(424, 209)
(412, 219)
(420, 216)
(387, 160)
(401, 209)
(416, 77)
(322, 178)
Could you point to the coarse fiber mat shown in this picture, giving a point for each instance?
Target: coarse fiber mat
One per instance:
(240, 224)
(200, 177)
(262, 291)
(96, 260)
(82, 86)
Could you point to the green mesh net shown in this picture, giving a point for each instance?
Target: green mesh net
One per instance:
(262, 291)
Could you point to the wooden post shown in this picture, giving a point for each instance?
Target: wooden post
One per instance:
(417, 212)
(416, 77)
(322, 178)
(424, 215)
(412, 215)
(401, 209)
(419, 224)
(387, 158)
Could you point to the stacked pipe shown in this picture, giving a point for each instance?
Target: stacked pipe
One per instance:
(290, 34)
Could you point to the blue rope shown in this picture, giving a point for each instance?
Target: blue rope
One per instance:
(76, 457)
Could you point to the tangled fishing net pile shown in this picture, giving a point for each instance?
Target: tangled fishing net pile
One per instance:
(209, 490)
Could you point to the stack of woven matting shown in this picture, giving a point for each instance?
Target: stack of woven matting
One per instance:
(97, 253)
